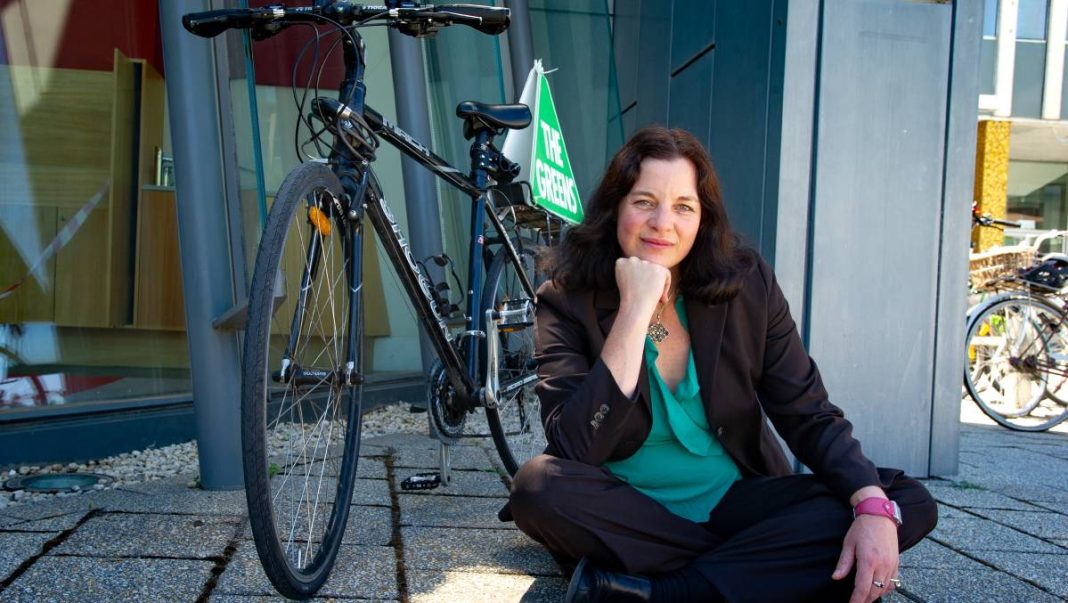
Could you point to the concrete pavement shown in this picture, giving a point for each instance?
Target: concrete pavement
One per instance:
(1002, 535)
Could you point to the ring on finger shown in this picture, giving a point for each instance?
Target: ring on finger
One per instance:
(896, 582)
(878, 584)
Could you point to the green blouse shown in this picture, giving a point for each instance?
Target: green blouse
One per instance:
(681, 464)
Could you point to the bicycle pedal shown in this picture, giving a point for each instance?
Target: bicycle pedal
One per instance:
(421, 481)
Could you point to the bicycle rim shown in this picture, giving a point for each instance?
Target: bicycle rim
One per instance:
(1009, 366)
(516, 422)
(300, 432)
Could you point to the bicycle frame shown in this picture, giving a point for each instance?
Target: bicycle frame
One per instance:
(363, 193)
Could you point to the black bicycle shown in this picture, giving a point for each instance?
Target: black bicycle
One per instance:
(303, 358)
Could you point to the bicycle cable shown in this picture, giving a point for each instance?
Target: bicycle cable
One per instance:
(361, 132)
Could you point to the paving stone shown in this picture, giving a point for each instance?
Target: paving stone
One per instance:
(175, 496)
(69, 579)
(1042, 524)
(17, 547)
(366, 572)
(974, 533)
(57, 523)
(427, 587)
(281, 599)
(1039, 495)
(452, 511)
(54, 507)
(6, 520)
(964, 586)
(929, 554)
(466, 550)
(461, 483)
(366, 525)
(1048, 571)
(390, 444)
(471, 458)
(946, 512)
(976, 498)
(373, 468)
(136, 535)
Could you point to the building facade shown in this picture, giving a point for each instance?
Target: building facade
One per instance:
(1022, 151)
(139, 163)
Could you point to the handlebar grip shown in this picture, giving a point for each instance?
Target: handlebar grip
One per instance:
(486, 19)
(213, 22)
(1005, 222)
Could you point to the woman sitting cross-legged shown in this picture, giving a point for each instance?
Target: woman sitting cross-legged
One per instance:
(662, 345)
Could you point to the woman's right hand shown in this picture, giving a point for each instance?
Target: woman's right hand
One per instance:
(642, 285)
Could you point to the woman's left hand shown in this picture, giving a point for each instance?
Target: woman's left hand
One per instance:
(871, 545)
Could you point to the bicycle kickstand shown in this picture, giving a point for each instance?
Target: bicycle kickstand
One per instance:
(429, 481)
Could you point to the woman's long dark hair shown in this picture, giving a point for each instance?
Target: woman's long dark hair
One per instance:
(715, 266)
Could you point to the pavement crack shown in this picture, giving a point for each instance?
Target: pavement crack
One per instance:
(220, 566)
(396, 540)
(47, 546)
(992, 566)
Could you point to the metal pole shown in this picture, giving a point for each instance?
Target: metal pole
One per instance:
(520, 44)
(420, 192)
(199, 165)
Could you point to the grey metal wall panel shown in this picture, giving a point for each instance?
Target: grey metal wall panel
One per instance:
(739, 110)
(799, 90)
(654, 64)
(687, 88)
(875, 238)
(956, 226)
(693, 24)
(626, 27)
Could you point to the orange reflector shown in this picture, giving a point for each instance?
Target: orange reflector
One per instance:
(319, 220)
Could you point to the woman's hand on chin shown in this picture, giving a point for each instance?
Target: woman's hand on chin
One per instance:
(642, 285)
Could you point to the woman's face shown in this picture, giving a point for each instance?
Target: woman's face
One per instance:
(659, 217)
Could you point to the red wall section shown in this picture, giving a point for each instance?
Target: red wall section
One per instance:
(91, 30)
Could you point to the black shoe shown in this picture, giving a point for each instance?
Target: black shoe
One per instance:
(591, 585)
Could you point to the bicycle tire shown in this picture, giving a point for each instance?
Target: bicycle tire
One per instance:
(515, 424)
(300, 444)
(1008, 363)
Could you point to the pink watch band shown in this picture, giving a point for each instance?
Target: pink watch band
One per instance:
(878, 506)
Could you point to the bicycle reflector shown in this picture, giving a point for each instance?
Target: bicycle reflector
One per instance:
(319, 221)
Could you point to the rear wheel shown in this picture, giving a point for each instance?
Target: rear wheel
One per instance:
(516, 422)
(1012, 364)
(300, 422)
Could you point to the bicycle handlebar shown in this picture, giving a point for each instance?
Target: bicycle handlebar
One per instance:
(412, 19)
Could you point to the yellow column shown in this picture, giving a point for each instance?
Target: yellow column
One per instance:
(991, 179)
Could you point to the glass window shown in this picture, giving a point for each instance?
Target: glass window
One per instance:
(1037, 197)
(990, 18)
(1031, 22)
(576, 39)
(92, 309)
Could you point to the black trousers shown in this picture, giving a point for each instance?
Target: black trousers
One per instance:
(769, 538)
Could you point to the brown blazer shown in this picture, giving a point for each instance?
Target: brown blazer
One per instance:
(749, 359)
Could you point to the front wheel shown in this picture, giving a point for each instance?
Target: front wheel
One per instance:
(1013, 361)
(516, 422)
(300, 417)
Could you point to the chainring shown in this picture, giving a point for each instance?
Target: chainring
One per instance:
(446, 424)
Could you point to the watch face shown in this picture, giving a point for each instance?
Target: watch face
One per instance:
(896, 510)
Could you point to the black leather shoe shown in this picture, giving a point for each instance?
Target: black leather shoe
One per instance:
(592, 585)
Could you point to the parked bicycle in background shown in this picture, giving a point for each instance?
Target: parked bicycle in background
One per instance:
(1016, 363)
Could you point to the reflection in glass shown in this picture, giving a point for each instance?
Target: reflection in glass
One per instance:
(1031, 20)
(990, 18)
(91, 306)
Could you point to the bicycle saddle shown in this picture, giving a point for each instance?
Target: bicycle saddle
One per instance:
(479, 116)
